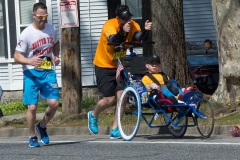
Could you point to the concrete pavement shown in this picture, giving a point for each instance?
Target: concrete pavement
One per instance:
(16, 132)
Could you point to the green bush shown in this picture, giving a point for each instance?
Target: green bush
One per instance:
(15, 107)
(88, 104)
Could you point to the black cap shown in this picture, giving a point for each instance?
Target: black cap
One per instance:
(152, 58)
(125, 14)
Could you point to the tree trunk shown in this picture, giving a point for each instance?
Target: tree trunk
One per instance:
(168, 34)
(226, 18)
(71, 70)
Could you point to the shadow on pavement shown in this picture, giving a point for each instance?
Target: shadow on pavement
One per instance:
(157, 136)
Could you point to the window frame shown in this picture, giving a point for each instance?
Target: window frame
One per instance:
(123, 2)
(17, 15)
(5, 30)
(7, 57)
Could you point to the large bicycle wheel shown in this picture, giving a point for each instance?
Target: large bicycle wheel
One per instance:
(205, 120)
(179, 131)
(129, 116)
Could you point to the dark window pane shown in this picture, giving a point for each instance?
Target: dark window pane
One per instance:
(22, 28)
(135, 7)
(139, 21)
(3, 33)
(43, 1)
(12, 27)
(112, 5)
(25, 8)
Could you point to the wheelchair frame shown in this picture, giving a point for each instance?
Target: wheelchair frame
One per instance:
(195, 106)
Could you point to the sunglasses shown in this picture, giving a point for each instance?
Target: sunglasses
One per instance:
(153, 63)
(42, 16)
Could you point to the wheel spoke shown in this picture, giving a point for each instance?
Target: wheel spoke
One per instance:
(179, 131)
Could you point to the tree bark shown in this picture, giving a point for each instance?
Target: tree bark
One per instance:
(71, 70)
(169, 37)
(226, 18)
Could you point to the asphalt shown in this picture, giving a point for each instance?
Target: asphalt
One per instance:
(19, 132)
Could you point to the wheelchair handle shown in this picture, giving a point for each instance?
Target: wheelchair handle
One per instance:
(131, 43)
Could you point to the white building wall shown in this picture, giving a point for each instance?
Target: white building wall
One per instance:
(93, 14)
(198, 23)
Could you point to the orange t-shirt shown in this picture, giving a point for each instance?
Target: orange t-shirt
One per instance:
(104, 53)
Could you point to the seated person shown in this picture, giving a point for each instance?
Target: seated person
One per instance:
(157, 88)
(207, 44)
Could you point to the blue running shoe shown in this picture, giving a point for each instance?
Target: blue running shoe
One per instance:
(43, 134)
(33, 142)
(92, 123)
(115, 134)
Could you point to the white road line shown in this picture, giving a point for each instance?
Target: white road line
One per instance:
(51, 142)
(167, 142)
(133, 142)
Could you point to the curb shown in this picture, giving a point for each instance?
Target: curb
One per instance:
(22, 132)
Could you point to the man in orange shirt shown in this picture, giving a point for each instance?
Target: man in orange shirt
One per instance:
(115, 30)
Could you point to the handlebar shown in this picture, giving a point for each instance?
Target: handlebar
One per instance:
(129, 45)
(132, 43)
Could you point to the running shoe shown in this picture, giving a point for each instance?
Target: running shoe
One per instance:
(33, 142)
(115, 134)
(92, 123)
(43, 133)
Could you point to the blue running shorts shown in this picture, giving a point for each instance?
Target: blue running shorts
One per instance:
(43, 81)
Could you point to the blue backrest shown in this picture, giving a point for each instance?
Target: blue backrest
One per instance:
(192, 97)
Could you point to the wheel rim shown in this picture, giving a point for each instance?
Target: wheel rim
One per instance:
(129, 123)
(205, 122)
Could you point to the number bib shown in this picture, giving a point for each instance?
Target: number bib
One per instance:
(119, 54)
(47, 63)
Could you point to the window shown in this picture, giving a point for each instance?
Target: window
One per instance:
(12, 28)
(2, 39)
(7, 29)
(15, 15)
(25, 8)
(112, 5)
(135, 7)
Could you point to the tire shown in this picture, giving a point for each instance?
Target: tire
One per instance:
(177, 132)
(129, 123)
(205, 119)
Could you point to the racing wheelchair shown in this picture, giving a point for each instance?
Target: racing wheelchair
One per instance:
(193, 111)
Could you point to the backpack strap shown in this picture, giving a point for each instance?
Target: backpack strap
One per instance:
(155, 80)
(170, 86)
(165, 78)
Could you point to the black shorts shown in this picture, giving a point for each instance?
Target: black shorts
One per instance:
(106, 81)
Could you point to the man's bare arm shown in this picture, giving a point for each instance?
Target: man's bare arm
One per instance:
(19, 58)
(56, 49)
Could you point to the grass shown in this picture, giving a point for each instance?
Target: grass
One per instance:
(232, 119)
(224, 115)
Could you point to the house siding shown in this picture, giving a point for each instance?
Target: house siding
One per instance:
(198, 25)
